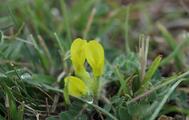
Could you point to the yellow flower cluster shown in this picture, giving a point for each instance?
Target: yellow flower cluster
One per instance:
(81, 51)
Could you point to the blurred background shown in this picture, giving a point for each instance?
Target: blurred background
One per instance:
(102, 19)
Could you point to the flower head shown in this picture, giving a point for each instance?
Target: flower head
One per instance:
(93, 53)
(78, 54)
(76, 87)
(95, 57)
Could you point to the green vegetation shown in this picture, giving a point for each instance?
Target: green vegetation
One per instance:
(146, 63)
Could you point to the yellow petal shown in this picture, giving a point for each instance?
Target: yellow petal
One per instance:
(78, 54)
(76, 87)
(95, 57)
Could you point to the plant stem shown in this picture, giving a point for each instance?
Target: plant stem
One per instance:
(66, 95)
(96, 88)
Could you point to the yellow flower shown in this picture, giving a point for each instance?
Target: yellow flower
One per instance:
(83, 84)
(75, 86)
(78, 54)
(95, 57)
(92, 51)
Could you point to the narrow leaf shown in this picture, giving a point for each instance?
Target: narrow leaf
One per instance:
(152, 69)
(165, 98)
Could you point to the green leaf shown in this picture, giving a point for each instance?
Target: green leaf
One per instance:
(44, 79)
(165, 98)
(152, 69)
(123, 113)
(66, 116)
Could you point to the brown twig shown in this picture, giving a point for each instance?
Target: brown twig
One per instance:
(57, 96)
(47, 106)
(143, 53)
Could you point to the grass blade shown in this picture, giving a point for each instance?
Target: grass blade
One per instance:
(172, 43)
(127, 47)
(153, 67)
(156, 112)
(66, 20)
